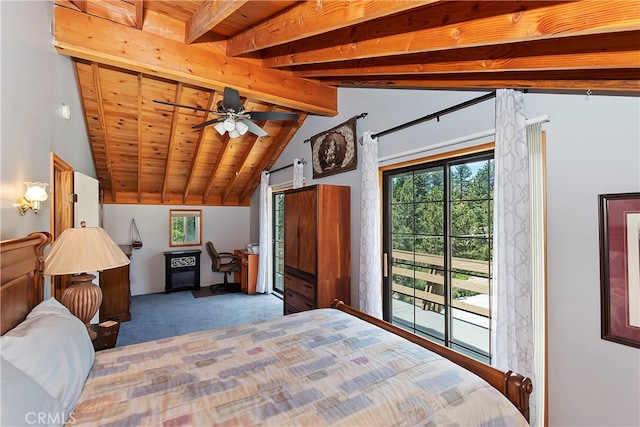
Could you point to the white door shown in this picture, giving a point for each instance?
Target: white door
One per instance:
(87, 208)
(87, 203)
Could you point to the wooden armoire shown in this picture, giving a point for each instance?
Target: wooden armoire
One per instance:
(317, 255)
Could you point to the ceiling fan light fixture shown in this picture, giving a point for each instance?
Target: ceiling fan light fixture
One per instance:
(242, 128)
(234, 133)
(220, 128)
(229, 124)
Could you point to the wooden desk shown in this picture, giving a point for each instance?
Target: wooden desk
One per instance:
(248, 276)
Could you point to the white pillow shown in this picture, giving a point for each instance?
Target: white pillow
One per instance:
(26, 403)
(51, 346)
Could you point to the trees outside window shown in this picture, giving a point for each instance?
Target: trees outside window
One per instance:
(437, 224)
(278, 242)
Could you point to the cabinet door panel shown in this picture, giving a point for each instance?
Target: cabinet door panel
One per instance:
(291, 237)
(300, 238)
(307, 227)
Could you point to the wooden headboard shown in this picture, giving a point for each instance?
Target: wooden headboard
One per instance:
(21, 287)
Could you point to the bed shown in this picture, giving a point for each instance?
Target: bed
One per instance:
(334, 366)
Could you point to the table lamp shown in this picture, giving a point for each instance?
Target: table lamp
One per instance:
(76, 251)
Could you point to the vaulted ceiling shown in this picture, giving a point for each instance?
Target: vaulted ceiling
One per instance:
(291, 56)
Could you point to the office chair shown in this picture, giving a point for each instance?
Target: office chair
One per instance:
(218, 264)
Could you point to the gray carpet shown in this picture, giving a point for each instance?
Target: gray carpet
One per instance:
(156, 316)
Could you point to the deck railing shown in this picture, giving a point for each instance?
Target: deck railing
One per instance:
(428, 299)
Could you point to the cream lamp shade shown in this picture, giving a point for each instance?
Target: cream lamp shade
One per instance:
(78, 250)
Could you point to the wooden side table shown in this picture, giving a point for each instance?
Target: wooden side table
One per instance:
(107, 335)
(248, 276)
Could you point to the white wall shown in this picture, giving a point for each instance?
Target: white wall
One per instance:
(593, 147)
(35, 81)
(226, 227)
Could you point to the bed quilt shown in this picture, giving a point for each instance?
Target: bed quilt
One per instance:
(315, 368)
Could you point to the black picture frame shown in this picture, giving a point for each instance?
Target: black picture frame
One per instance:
(619, 223)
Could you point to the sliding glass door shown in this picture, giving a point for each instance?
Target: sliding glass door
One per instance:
(437, 239)
(278, 242)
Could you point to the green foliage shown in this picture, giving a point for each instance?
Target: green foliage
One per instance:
(419, 220)
(184, 229)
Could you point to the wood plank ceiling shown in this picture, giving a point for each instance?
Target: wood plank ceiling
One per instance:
(291, 56)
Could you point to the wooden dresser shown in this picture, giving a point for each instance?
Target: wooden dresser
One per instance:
(116, 291)
(317, 255)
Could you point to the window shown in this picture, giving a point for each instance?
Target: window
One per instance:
(278, 242)
(437, 224)
(185, 227)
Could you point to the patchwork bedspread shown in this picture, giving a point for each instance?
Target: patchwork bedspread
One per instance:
(320, 367)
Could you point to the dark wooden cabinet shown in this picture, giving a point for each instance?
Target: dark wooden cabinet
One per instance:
(317, 238)
(116, 292)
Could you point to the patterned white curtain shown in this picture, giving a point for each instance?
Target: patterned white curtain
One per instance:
(262, 284)
(370, 257)
(511, 321)
(298, 173)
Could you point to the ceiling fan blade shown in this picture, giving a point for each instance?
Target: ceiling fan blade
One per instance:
(271, 115)
(254, 128)
(231, 100)
(191, 107)
(207, 123)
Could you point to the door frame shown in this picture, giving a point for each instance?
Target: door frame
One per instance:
(61, 216)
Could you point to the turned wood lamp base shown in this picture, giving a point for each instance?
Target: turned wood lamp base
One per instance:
(83, 299)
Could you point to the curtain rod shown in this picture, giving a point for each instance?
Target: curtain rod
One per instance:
(473, 136)
(436, 115)
(303, 161)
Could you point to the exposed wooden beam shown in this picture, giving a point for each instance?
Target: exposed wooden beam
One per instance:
(277, 147)
(172, 139)
(125, 197)
(80, 4)
(139, 4)
(245, 156)
(209, 14)
(571, 81)
(311, 18)
(428, 30)
(601, 52)
(236, 176)
(83, 36)
(105, 133)
(214, 171)
(139, 133)
(84, 114)
(198, 152)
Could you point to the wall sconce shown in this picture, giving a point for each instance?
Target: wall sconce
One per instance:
(34, 196)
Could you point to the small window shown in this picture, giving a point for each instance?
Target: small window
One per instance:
(185, 227)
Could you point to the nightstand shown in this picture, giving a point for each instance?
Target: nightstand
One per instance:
(107, 334)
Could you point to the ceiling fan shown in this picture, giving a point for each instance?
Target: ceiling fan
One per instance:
(233, 117)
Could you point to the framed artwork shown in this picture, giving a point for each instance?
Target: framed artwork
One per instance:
(619, 219)
(334, 151)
